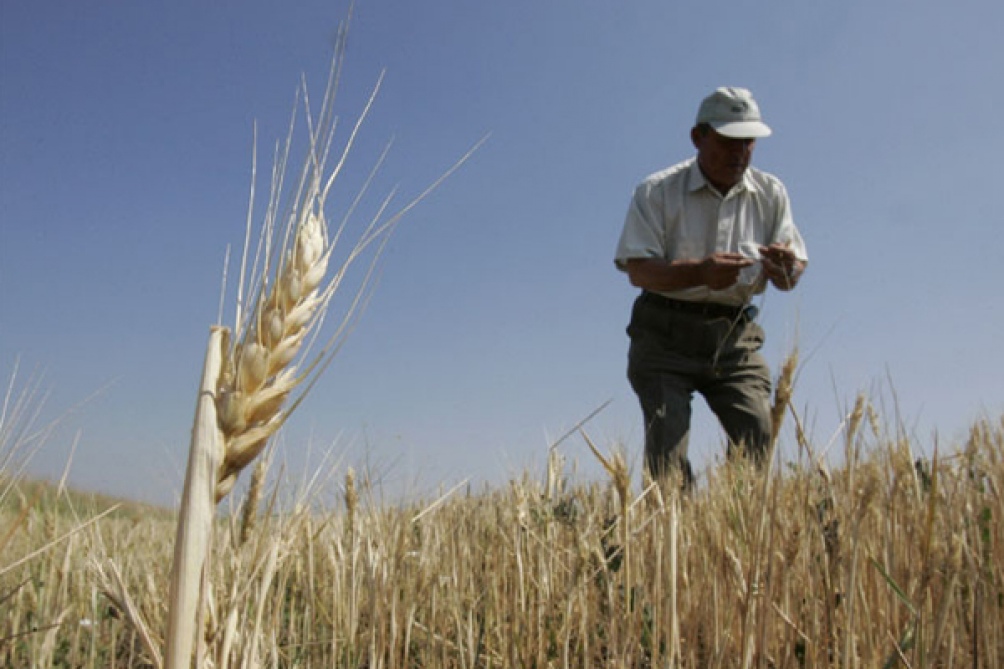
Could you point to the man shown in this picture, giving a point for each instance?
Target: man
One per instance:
(700, 239)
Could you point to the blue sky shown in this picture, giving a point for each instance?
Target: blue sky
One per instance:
(126, 132)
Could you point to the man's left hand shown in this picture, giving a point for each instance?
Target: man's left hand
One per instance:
(781, 266)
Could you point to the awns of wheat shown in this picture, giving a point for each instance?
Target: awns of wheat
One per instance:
(266, 364)
(268, 359)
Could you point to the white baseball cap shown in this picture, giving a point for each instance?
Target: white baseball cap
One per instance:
(734, 113)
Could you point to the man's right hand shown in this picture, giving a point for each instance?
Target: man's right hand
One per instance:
(721, 270)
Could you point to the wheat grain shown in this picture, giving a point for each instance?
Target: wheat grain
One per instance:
(258, 375)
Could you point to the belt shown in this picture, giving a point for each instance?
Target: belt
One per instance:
(708, 309)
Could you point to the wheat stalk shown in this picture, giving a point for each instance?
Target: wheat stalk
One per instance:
(256, 375)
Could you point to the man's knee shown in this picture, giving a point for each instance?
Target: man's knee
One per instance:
(664, 467)
(667, 428)
(749, 432)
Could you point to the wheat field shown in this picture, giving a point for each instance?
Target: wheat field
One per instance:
(890, 560)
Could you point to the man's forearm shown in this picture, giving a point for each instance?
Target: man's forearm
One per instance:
(718, 271)
(662, 276)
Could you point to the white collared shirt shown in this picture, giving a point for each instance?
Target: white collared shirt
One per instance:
(676, 214)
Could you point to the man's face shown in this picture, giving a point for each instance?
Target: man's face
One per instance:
(722, 159)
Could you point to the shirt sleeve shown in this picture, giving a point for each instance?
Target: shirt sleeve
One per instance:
(644, 232)
(786, 232)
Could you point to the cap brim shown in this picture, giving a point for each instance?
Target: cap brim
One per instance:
(743, 129)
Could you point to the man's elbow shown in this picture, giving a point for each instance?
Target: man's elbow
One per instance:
(635, 270)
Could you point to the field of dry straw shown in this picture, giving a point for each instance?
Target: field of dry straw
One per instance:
(890, 559)
(879, 563)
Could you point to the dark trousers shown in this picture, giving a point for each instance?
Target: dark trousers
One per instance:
(676, 351)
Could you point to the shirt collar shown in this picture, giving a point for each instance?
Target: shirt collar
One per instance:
(697, 181)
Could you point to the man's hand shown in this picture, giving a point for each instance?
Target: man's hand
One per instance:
(782, 267)
(721, 270)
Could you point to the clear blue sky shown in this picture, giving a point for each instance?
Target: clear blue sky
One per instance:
(125, 149)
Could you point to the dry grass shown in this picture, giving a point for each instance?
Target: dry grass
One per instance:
(881, 563)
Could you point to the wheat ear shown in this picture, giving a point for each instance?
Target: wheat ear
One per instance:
(257, 376)
(782, 396)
